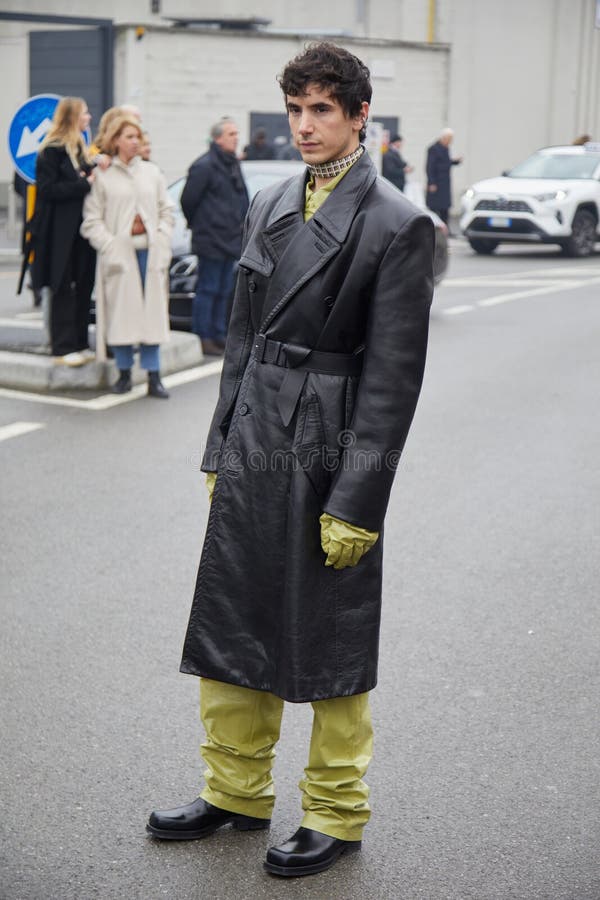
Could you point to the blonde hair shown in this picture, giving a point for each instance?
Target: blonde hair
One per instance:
(113, 132)
(104, 124)
(64, 130)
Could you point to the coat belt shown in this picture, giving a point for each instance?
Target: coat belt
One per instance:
(299, 361)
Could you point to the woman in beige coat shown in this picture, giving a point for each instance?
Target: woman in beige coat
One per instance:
(128, 218)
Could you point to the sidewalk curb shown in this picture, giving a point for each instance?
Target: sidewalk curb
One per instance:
(32, 372)
(8, 254)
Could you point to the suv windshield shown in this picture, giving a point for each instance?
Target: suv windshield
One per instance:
(557, 165)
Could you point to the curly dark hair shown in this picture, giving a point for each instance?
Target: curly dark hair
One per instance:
(333, 69)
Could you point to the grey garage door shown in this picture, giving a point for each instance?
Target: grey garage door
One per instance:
(70, 63)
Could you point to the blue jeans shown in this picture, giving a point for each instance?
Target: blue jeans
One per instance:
(209, 310)
(149, 353)
(149, 356)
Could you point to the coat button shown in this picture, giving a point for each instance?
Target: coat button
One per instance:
(244, 409)
(329, 302)
(251, 286)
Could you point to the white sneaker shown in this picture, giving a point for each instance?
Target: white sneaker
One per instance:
(88, 354)
(71, 359)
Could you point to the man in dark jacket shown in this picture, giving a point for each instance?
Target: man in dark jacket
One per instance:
(322, 371)
(439, 163)
(214, 202)
(393, 166)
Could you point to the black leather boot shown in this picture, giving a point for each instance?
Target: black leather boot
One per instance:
(123, 383)
(198, 820)
(155, 386)
(306, 853)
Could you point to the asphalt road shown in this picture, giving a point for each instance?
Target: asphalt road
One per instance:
(485, 781)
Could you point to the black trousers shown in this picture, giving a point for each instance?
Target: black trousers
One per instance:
(70, 304)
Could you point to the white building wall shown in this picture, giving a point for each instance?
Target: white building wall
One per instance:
(500, 100)
(376, 18)
(520, 74)
(14, 53)
(184, 81)
(523, 75)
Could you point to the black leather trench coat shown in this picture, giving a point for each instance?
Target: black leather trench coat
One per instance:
(323, 368)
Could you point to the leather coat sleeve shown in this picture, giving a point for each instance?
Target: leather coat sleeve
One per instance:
(394, 362)
(237, 352)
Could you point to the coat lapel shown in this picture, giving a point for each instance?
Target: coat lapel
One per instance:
(298, 250)
(266, 245)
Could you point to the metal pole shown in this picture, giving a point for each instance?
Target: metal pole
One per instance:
(11, 220)
(431, 23)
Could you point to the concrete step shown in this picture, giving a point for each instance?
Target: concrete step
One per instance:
(38, 372)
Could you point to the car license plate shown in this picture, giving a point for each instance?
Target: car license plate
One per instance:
(499, 222)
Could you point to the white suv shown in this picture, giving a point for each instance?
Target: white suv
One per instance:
(553, 198)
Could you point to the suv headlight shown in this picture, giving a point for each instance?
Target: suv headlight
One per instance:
(551, 195)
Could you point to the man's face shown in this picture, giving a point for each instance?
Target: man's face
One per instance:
(228, 139)
(321, 129)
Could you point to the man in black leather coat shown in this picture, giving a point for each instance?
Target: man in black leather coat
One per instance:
(323, 368)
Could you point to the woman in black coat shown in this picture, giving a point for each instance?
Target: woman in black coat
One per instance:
(64, 262)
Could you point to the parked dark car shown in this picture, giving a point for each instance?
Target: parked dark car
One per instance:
(257, 174)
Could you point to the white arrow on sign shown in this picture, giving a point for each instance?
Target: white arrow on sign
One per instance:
(30, 140)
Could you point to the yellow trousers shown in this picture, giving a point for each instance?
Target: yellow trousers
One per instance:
(242, 728)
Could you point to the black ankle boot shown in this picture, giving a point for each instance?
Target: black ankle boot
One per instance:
(123, 384)
(306, 853)
(155, 386)
(197, 820)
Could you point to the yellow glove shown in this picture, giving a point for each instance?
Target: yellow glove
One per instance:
(211, 478)
(342, 543)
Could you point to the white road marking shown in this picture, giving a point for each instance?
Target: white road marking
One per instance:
(45, 399)
(476, 281)
(34, 314)
(545, 276)
(18, 428)
(536, 292)
(456, 310)
(576, 270)
(108, 401)
(542, 286)
(19, 323)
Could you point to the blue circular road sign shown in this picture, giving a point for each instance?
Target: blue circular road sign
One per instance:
(28, 129)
